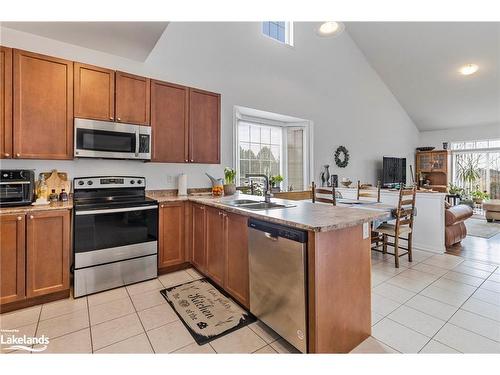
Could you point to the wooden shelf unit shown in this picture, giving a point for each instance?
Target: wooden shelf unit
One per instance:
(435, 166)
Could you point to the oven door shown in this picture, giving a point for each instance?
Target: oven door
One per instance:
(101, 139)
(15, 193)
(113, 234)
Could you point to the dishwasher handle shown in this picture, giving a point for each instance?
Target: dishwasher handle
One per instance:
(274, 231)
(271, 236)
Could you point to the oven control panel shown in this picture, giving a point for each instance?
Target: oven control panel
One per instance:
(104, 182)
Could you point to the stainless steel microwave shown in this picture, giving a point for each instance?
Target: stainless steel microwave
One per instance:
(111, 140)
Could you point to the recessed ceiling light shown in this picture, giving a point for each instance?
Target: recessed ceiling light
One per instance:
(469, 69)
(330, 29)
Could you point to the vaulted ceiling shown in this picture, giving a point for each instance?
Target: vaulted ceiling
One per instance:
(419, 62)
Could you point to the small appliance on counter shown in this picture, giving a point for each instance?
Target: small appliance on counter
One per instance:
(17, 187)
(115, 239)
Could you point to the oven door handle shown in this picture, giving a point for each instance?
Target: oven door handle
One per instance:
(113, 210)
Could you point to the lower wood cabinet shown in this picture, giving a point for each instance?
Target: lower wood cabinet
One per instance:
(171, 234)
(198, 234)
(35, 254)
(215, 245)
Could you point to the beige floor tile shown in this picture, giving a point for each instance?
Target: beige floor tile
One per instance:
(393, 292)
(443, 295)
(454, 286)
(133, 345)
(170, 337)
(372, 345)
(194, 348)
(388, 268)
(264, 332)
(146, 300)
(478, 324)
(175, 278)
(376, 317)
(443, 261)
(65, 306)
(432, 307)
(488, 310)
(64, 324)
(20, 318)
(416, 320)
(76, 342)
(492, 286)
(427, 268)
(115, 330)
(414, 274)
(487, 296)
(435, 347)
(463, 278)
(195, 275)
(243, 340)
(144, 286)
(480, 266)
(472, 271)
(466, 341)
(495, 277)
(399, 337)
(111, 310)
(107, 296)
(268, 349)
(283, 347)
(409, 284)
(28, 330)
(382, 305)
(157, 316)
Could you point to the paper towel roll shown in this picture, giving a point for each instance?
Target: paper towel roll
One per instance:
(182, 184)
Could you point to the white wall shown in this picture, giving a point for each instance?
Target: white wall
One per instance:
(327, 81)
(470, 133)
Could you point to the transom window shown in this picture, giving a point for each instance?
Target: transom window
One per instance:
(474, 145)
(281, 31)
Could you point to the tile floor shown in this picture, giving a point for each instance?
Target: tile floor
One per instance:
(437, 304)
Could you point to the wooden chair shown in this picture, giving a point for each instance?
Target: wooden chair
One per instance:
(315, 191)
(368, 191)
(403, 226)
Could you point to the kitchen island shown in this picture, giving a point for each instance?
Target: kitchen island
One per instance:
(338, 260)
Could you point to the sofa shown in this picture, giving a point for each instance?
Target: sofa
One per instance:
(455, 216)
(492, 209)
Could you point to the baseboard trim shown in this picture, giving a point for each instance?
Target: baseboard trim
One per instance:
(34, 301)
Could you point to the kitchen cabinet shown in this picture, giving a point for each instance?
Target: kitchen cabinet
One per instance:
(204, 127)
(169, 122)
(47, 252)
(43, 107)
(5, 102)
(171, 232)
(132, 99)
(198, 240)
(236, 280)
(94, 90)
(215, 244)
(12, 258)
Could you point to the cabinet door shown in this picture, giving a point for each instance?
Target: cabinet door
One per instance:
(198, 242)
(47, 255)
(439, 160)
(94, 92)
(215, 245)
(424, 161)
(5, 102)
(236, 254)
(169, 122)
(171, 235)
(132, 99)
(204, 127)
(43, 107)
(12, 258)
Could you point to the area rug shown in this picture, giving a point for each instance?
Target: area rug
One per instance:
(481, 228)
(205, 310)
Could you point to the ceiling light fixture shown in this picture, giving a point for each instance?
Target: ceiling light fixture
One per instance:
(330, 29)
(469, 69)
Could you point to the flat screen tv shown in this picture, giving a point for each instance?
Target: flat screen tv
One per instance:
(394, 171)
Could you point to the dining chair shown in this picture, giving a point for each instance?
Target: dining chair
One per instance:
(332, 195)
(403, 226)
(368, 191)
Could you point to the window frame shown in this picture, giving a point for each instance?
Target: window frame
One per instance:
(289, 39)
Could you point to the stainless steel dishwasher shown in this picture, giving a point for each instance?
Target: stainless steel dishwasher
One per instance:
(277, 258)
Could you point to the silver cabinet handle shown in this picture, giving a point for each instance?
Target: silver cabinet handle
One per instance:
(111, 117)
(119, 119)
(18, 155)
(6, 154)
(186, 160)
(192, 160)
(19, 218)
(32, 217)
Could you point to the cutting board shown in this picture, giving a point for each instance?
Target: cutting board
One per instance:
(57, 181)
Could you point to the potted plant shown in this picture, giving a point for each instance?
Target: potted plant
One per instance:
(479, 196)
(275, 182)
(229, 186)
(455, 190)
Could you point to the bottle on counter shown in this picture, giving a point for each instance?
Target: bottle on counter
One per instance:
(43, 190)
(63, 196)
(53, 197)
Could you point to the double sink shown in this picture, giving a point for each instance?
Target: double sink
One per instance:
(249, 204)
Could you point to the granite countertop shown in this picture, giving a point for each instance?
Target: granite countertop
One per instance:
(24, 209)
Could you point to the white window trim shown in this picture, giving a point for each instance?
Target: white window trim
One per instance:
(289, 37)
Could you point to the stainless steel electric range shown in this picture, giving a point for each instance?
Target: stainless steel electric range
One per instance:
(115, 237)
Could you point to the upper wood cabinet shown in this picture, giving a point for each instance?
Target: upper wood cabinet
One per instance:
(132, 98)
(94, 92)
(169, 122)
(43, 107)
(47, 255)
(204, 127)
(12, 258)
(198, 240)
(5, 102)
(171, 237)
(215, 245)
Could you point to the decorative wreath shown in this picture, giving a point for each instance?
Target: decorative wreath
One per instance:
(341, 157)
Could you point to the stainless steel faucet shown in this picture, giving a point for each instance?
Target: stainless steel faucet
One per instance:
(267, 190)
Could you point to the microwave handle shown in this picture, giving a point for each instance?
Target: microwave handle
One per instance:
(137, 142)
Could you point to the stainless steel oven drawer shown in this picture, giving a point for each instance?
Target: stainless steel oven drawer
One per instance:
(107, 276)
(114, 254)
